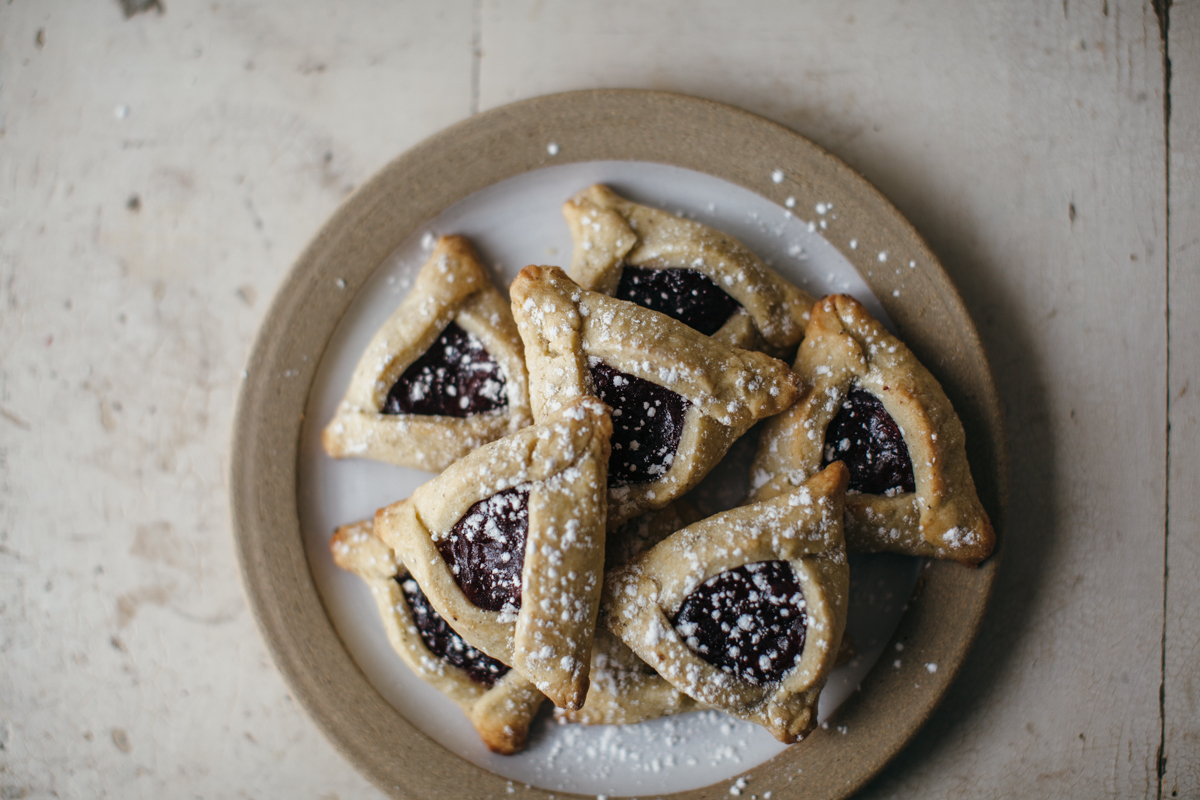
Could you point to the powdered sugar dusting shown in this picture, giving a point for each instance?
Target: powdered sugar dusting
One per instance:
(648, 759)
(703, 743)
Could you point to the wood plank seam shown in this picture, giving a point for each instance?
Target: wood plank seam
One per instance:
(1162, 10)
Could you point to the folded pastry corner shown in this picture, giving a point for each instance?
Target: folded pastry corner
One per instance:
(499, 702)
(508, 544)
(869, 403)
(444, 375)
(744, 611)
(624, 689)
(698, 275)
(679, 398)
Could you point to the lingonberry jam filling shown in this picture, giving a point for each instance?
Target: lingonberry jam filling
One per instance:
(647, 422)
(455, 377)
(444, 643)
(683, 294)
(749, 621)
(867, 440)
(486, 549)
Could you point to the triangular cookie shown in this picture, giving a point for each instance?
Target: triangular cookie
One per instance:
(444, 375)
(508, 544)
(689, 271)
(499, 702)
(679, 398)
(744, 611)
(871, 404)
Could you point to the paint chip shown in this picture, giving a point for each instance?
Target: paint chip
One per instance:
(131, 7)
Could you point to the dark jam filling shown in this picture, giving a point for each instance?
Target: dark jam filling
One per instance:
(444, 643)
(749, 621)
(455, 377)
(486, 549)
(647, 422)
(867, 440)
(683, 294)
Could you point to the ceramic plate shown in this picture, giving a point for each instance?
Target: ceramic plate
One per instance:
(500, 179)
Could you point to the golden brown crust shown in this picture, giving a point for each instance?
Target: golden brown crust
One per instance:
(802, 527)
(845, 348)
(501, 713)
(452, 286)
(563, 462)
(610, 232)
(566, 328)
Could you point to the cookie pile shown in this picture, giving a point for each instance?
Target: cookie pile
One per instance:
(555, 555)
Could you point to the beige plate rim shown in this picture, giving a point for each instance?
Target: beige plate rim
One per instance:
(602, 125)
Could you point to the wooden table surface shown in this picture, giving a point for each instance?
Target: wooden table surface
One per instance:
(159, 172)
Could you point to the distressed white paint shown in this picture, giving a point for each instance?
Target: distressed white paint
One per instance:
(129, 665)
(122, 335)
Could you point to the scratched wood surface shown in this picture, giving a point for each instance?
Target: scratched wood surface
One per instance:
(160, 172)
